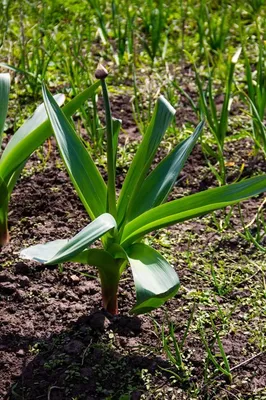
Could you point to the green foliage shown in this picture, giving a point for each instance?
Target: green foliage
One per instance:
(24, 142)
(218, 122)
(121, 225)
(256, 90)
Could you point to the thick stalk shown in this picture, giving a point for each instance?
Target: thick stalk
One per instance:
(109, 284)
(4, 234)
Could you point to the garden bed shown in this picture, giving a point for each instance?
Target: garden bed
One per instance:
(57, 343)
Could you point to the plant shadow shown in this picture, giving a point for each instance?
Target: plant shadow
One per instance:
(97, 357)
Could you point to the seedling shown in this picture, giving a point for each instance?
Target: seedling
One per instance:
(122, 223)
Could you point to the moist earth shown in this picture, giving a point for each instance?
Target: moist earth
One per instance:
(57, 343)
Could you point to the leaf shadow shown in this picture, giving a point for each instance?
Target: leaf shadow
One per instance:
(89, 360)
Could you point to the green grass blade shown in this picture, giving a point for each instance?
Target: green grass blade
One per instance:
(223, 124)
(221, 347)
(82, 171)
(192, 206)
(4, 95)
(155, 280)
(211, 102)
(158, 184)
(203, 102)
(162, 117)
(260, 124)
(249, 79)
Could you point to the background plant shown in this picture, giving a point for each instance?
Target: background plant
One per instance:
(256, 90)
(217, 121)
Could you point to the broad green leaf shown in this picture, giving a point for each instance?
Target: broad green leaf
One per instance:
(15, 176)
(84, 239)
(64, 250)
(36, 120)
(162, 117)
(96, 257)
(26, 140)
(82, 171)
(108, 267)
(4, 95)
(191, 206)
(43, 252)
(155, 280)
(159, 183)
(3, 192)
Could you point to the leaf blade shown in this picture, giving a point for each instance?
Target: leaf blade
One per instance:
(162, 117)
(84, 238)
(192, 206)
(155, 280)
(4, 97)
(43, 252)
(21, 146)
(159, 183)
(63, 250)
(82, 171)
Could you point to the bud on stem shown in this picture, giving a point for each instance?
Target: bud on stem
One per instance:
(101, 73)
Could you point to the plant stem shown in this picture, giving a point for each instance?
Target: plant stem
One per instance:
(111, 200)
(109, 286)
(4, 234)
(101, 74)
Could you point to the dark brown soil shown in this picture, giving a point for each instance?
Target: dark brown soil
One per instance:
(56, 342)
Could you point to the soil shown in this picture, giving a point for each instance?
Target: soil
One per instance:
(57, 343)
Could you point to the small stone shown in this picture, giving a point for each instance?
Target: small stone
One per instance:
(20, 353)
(12, 309)
(63, 307)
(74, 279)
